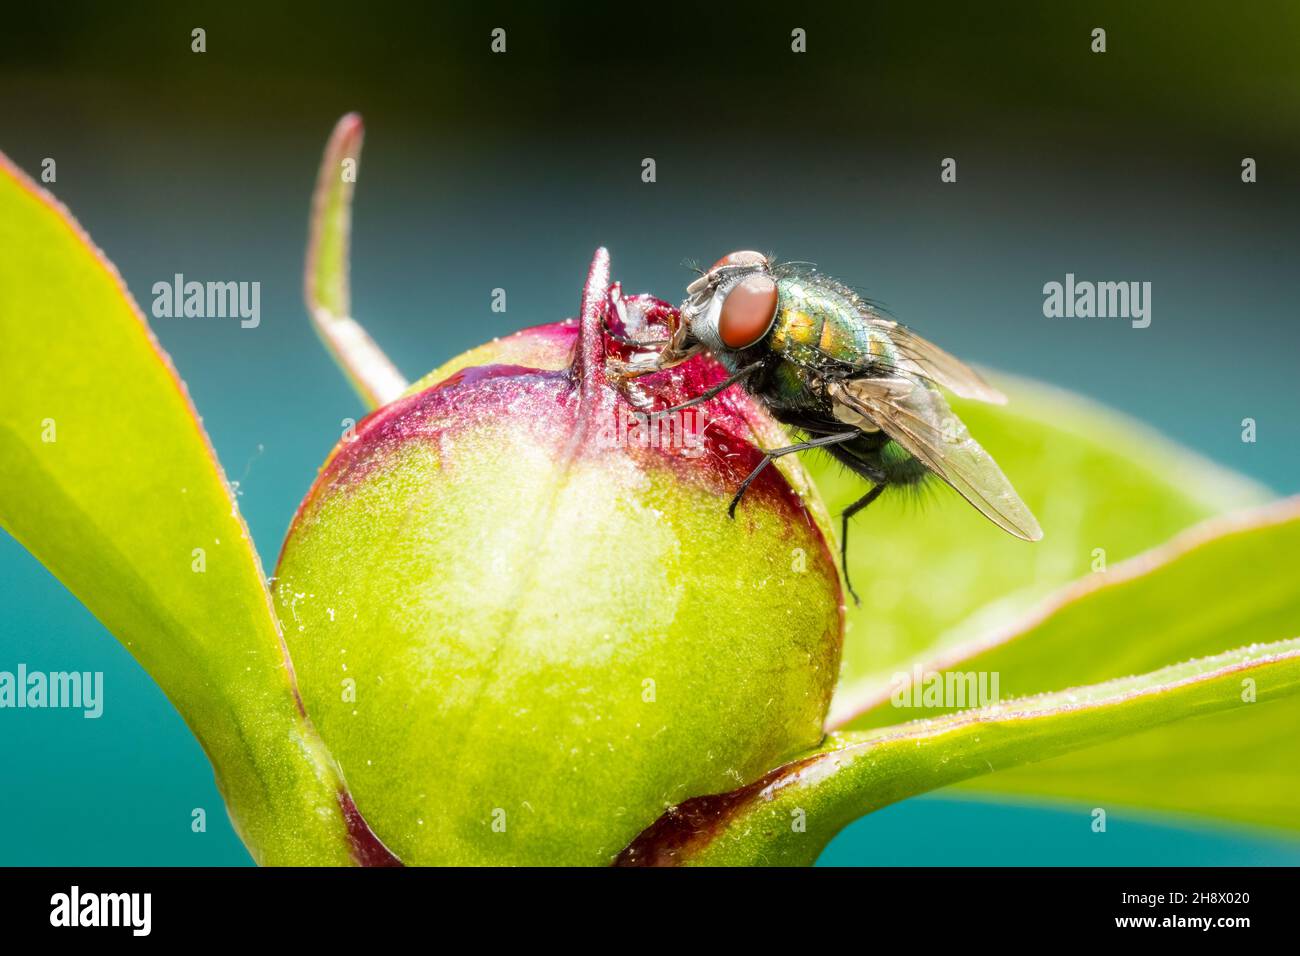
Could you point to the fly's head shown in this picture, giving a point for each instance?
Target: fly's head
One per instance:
(733, 305)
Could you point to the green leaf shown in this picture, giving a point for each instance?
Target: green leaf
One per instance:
(939, 575)
(1226, 586)
(1239, 767)
(1214, 585)
(107, 477)
(787, 817)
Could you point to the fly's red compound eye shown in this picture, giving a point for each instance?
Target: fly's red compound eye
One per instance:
(746, 257)
(747, 311)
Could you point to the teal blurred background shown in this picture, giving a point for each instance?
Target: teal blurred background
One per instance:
(485, 171)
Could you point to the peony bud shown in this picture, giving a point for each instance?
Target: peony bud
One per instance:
(520, 617)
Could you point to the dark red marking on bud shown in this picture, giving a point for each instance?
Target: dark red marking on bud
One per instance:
(367, 849)
(474, 374)
(691, 825)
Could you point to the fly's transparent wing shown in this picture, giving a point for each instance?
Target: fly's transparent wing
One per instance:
(917, 417)
(930, 361)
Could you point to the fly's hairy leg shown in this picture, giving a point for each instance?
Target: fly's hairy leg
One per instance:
(715, 390)
(775, 453)
(849, 512)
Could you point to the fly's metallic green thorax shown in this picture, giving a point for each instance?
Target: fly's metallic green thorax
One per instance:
(821, 320)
